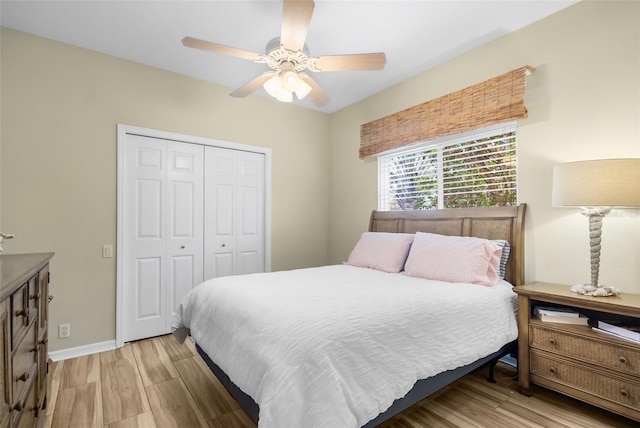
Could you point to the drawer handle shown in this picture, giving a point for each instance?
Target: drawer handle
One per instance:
(43, 341)
(552, 370)
(50, 298)
(23, 377)
(19, 406)
(552, 341)
(623, 360)
(624, 393)
(21, 313)
(34, 296)
(33, 349)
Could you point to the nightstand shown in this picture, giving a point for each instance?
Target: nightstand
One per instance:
(575, 360)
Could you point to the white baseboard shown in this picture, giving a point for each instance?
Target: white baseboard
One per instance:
(80, 351)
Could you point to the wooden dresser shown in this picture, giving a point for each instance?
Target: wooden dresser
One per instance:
(574, 359)
(24, 299)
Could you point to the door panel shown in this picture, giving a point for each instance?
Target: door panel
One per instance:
(222, 264)
(234, 212)
(250, 209)
(162, 231)
(184, 277)
(149, 289)
(144, 258)
(219, 210)
(249, 262)
(185, 205)
(149, 212)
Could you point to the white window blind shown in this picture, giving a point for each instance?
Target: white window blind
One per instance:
(474, 169)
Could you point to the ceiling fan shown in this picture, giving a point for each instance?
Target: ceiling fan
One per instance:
(288, 56)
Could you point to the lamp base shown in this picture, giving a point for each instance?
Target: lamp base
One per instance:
(599, 291)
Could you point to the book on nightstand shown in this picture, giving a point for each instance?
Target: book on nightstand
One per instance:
(631, 332)
(560, 315)
(556, 312)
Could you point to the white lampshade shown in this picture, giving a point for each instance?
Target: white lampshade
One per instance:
(303, 89)
(284, 96)
(597, 183)
(273, 86)
(290, 81)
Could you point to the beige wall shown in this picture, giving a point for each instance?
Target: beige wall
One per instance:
(584, 103)
(60, 108)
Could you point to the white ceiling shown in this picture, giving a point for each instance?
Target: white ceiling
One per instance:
(415, 35)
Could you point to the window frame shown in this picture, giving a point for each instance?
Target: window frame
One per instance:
(438, 144)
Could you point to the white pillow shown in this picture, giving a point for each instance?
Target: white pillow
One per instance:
(454, 259)
(382, 251)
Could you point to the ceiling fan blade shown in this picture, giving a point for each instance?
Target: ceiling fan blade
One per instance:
(371, 61)
(253, 85)
(296, 17)
(317, 95)
(190, 42)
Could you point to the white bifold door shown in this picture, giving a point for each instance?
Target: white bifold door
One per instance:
(233, 212)
(191, 212)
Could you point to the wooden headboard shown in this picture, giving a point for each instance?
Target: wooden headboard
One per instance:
(490, 223)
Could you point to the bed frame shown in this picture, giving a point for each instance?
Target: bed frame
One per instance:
(490, 223)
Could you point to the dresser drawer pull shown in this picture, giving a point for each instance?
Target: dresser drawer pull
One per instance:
(34, 296)
(21, 313)
(23, 377)
(552, 370)
(19, 406)
(623, 360)
(552, 341)
(624, 393)
(50, 298)
(43, 341)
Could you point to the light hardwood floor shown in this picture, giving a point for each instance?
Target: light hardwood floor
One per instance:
(159, 383)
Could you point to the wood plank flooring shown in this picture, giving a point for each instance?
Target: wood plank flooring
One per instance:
(157, 383)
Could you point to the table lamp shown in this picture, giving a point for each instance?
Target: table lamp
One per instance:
(596, 186)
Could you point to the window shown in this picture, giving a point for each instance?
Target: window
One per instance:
(474, 169)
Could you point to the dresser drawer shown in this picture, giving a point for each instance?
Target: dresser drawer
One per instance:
(19, 307)
(24, 362)
(33, 296)
(591, 348)
(25, 410)
(622, 391)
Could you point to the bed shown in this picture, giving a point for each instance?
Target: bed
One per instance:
(351, 345)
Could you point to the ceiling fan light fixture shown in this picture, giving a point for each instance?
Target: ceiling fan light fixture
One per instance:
(282, 86)
(290, 81)
(285, 96)
(303, 89)
(275, 88)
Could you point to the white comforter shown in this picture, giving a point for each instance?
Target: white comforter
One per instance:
(335, 346)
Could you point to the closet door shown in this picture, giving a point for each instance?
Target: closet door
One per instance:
(163, 186)
(234, 212)
(184, 220)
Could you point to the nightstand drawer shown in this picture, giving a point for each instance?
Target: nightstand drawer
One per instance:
(625, 392)
(592, 348)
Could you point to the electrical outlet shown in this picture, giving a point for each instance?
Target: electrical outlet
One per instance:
(64, 330)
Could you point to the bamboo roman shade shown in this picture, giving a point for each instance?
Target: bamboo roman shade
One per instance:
(493, 101)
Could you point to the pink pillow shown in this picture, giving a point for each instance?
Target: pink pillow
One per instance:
(454, 259)
(382, 251)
